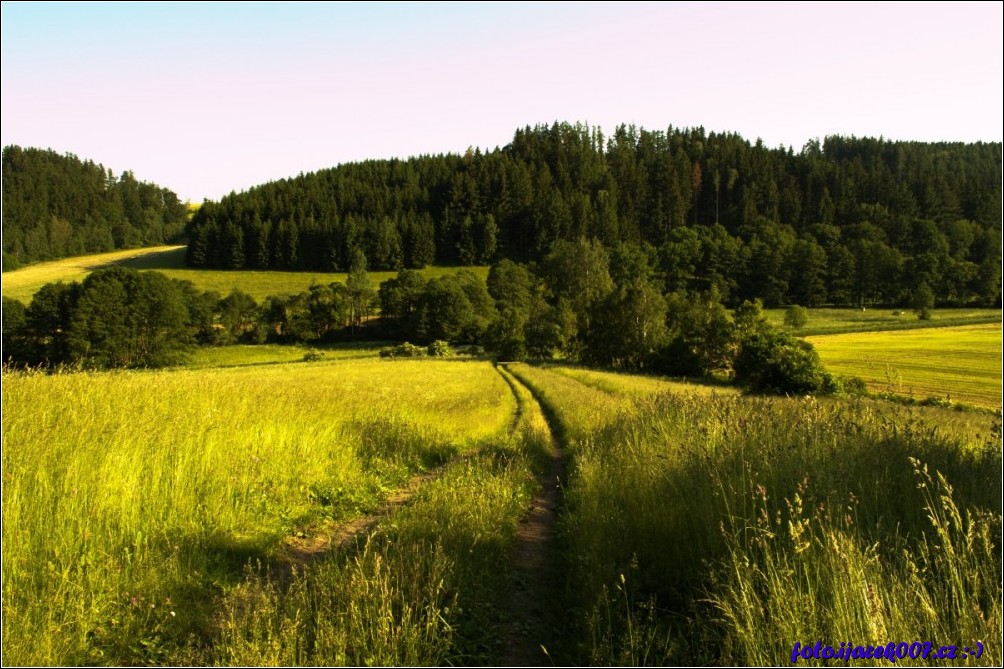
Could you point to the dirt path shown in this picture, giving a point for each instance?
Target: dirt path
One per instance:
(299, 552)
(530, 605)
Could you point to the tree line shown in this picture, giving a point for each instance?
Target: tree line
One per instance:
(58, 205)
(849, 221)
(579, 302)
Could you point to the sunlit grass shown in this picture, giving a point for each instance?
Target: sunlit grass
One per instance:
(960, 363)
(721, 529)
(21, 284)
(126, 490)
(263, 354)
(422, 590)
(144, 512)
(637, 385)
(832, 321)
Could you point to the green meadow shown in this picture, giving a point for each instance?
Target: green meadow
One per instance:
(706, 528)
(156, 517)
(826, 320)
(22, 283)
(958, 364)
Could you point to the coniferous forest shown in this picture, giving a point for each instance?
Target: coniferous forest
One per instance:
(58, 205)
(849, 221)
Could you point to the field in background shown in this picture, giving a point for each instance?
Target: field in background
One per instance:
(962, 364)
(834, 321)
(21, 284)
(264, 354)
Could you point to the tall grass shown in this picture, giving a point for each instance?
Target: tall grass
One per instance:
(724, 529)
(422, 590)
(133, 501)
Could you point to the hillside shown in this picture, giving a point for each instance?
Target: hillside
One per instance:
(55, 206)
(846, 221)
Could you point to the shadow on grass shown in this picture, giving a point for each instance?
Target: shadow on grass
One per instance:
(172, 259)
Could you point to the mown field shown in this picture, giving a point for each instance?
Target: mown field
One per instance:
(958, 364)
(155, 517)
(21, 284)
(836, 321)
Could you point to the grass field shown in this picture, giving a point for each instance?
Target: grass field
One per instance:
(134, 502)
(962, 364)
(713, 529)
(264, 354)
(145, 515)
(835, 321)
(21, 284)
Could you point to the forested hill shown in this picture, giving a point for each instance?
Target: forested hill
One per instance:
(58, 205)
(846, 221)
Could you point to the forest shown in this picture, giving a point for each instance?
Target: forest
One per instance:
(846, 221)
(56, 206)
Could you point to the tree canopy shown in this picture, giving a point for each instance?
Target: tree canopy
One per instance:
(844, 221)
(58, 205)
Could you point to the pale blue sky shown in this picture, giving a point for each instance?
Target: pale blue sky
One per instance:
(206, 98)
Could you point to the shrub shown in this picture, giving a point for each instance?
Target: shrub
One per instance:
(313, 355)
(776, 362)
(405, 350)
(852, 385)
(796, 316)
(440, 349)
(922, 301)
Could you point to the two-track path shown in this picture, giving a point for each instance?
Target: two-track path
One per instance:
(531, 617)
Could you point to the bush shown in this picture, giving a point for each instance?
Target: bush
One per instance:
(796, 316)
(440, 349)
(405, 350)
(922, 301)
(851, 385)
(776, 362)
(313, 355)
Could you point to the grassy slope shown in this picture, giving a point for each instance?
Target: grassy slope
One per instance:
(22, 284)
(963, 363)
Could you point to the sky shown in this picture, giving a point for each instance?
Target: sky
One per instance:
(207, 98)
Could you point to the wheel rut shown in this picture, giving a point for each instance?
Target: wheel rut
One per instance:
(300, 552)
(530, 605)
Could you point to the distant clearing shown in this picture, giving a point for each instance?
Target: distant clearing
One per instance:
(959, 363)
(21, 284)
